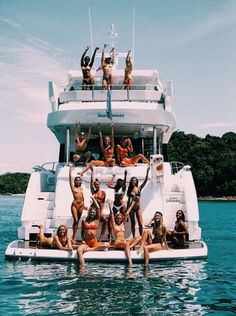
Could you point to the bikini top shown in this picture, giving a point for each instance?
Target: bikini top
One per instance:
(54, 245)
(100, 196)
(86, 68)
(86, 72)
(136, 194)
(118, 228)
(107, 152)
(89, 226)
(120, 191)
(179, 227)
(122, 151)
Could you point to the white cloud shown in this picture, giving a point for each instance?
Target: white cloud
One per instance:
(26, 74)
(212, 24)
(10, 22)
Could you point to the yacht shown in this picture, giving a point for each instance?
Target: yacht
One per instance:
(144, 112)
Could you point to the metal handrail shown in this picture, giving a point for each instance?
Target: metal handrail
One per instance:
(176, 166)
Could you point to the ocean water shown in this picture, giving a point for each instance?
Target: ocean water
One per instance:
(184, 287)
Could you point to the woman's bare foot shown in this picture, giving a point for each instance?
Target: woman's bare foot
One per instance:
(140, 250)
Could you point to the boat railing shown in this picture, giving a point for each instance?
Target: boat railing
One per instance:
(176, 166)
(49, 166)
(143, 93)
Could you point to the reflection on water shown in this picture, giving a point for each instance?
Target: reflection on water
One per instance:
(65, 288)
(174, 288)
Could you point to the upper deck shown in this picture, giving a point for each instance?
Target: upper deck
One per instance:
(134, 111)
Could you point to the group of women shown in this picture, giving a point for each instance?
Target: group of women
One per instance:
(115, 222)
(123, 151)
(106, 66)
(119, 210)
(90, 242)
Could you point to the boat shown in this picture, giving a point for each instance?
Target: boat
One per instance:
(144, 113)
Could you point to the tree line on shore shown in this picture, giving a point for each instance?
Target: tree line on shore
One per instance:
(212, 160)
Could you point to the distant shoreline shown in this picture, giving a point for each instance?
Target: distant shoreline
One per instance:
(200, 198)
(213, 198)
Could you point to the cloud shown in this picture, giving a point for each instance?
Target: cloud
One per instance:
(214, 23)
(10, 22)
(26, 67)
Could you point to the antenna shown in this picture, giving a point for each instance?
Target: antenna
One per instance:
(133, 32)
(90, 28)
(112, 34)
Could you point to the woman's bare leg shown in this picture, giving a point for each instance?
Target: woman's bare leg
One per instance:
(124, 245)
(146, 238)
(132, 220)
(42, 240)
(93, 163)
(138, 157)
(140, 221)
(76, 217)
(104, 84)
(127, 251)
(80, 250)
(133, 242)
(150, 248)
(110, 229)
(104, 226)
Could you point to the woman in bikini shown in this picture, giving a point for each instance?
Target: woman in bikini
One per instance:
(179, 235)
(86, 67)
(119, 193)
(107, 148)
(128, 80)
(89, 232)
(118, 224)
(77, 205)
(61, 241)
(134, 194)
(107, 64)
(124, 149)
(100, 196)
(158, 242)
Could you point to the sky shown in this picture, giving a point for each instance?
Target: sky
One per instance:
(192, 43)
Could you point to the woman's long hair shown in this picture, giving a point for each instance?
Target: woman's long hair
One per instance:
(182, 215)
(58, 230)
(131, 186)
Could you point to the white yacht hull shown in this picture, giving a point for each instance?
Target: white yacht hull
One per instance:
(20, 249)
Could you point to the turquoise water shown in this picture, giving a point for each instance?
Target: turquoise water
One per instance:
(175, 288)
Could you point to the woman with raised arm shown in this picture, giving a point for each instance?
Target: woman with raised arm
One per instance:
(123, 151)
(107, 148)
(179, 235)
(159, 232)
(107, 64)
(61, 241)
(118, 224)
(77, 205)
(86, 67)
(128, 80)
(81, 142)
(100, 196)
(89, 230)
(119, 193)
(134, 195)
